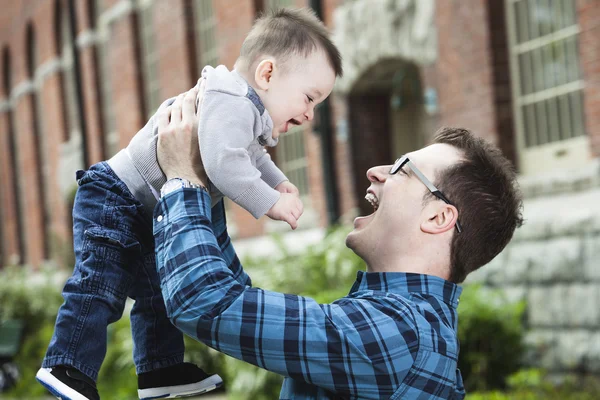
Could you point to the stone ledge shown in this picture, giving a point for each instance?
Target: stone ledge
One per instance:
(562, 181)
(563, 350)
(560, 215)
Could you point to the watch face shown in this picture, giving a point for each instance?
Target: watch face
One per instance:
(171, 185)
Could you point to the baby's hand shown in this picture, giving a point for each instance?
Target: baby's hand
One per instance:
(287, 187)
(288, 208)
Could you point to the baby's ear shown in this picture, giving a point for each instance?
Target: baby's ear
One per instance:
(264, 73)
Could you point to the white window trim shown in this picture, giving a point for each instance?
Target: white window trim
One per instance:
(568, 153)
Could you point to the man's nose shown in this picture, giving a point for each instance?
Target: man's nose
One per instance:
(378, 174)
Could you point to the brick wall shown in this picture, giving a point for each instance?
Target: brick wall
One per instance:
(176, 73)
(589, 52)
(471, 77)
(464, 66)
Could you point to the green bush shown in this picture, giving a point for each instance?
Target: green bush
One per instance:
(490, 330)
(35, 302)
(533, 384)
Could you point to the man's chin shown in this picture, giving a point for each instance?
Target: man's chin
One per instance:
(353, 240)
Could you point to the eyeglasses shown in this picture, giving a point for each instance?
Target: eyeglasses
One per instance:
(404, 160)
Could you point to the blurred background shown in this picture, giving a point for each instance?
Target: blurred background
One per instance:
(80, 77)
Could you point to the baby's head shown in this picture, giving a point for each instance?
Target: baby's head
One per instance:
(290, 61)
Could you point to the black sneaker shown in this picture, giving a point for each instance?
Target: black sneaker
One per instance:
(180, 380)
(68, 383)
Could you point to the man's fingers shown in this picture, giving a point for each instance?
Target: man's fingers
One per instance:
(188, 107)
(176, 110)
(200, 95)
(162, 119)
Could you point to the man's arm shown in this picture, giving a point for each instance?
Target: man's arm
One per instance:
(345, 347)
(219, 228)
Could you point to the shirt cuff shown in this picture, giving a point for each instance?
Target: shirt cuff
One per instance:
(181, 203)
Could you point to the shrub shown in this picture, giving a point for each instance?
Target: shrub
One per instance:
(490, 330)
(534, 384)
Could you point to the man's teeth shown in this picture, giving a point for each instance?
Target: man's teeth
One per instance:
(370, 197)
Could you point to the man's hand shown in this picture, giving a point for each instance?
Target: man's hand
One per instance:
(287, 187)
(178, 151)
(288, 208)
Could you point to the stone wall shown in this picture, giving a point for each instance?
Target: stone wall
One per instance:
(553, 263)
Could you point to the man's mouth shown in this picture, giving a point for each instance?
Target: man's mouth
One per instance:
(371, 198)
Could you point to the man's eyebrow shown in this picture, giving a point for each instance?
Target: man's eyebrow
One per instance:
(408, 169)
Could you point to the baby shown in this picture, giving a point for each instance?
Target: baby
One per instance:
(287, 66)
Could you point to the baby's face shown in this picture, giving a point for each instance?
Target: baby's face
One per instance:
(294, 92)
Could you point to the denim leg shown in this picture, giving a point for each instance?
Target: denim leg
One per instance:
(110, 231)
(157, 342)
(94, 296)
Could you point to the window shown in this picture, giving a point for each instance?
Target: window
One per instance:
(104, 31)
(38, 146)
(149, 57)
(71, 85)
(547, 83)
(12, 143)
(291, 159)
(205, 26)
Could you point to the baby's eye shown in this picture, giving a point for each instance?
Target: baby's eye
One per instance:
(310, 99)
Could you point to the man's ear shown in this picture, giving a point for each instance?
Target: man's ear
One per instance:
(264, 73)
(439, 218)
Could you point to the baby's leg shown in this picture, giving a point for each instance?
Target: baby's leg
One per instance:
(157, 342)
(106, 251)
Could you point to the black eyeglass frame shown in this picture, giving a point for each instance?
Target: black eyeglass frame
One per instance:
(404, 160)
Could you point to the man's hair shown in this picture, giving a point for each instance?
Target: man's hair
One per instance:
(286, 32)
(484, 189)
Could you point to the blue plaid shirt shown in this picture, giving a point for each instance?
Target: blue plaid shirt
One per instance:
(394, 335)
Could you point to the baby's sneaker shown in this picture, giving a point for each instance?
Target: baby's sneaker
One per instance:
(68, 383)
(179, 380)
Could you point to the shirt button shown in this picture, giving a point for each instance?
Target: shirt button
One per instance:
(159, 218)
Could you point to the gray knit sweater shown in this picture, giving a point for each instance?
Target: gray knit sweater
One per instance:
(234, 127)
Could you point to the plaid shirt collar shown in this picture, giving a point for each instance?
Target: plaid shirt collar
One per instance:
(403, 283)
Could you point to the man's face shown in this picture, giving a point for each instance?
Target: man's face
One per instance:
(296, 89)
(395, 226)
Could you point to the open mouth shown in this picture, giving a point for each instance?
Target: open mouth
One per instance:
(290, 122)
(371, 198)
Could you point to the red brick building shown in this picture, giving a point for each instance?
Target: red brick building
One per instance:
(80, 77)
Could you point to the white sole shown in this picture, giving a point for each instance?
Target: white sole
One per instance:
(56, 387)
(171, 392)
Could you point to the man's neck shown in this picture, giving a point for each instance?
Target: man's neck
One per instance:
(417, 264)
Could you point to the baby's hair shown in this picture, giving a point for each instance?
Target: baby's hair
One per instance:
(285, 32)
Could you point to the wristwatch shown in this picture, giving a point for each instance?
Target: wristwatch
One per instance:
(177, 183)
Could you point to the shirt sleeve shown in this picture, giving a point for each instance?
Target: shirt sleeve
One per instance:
(344, 347)
(271, 174)
(225, 131)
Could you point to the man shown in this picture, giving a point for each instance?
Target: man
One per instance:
(439, 213)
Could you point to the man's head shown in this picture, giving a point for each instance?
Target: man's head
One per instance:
(291, 62)
(413, 230)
